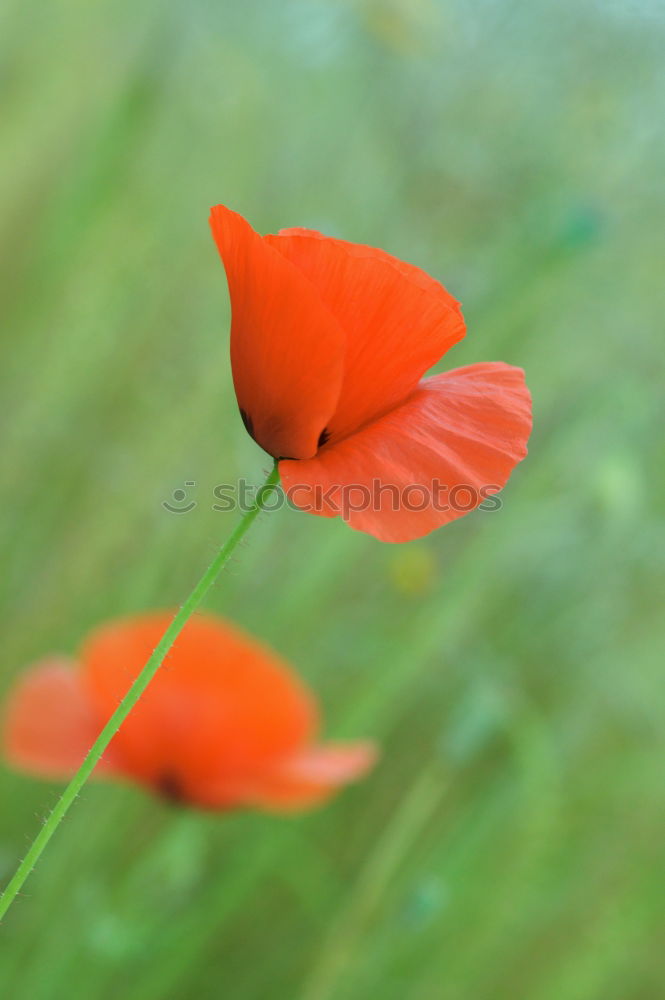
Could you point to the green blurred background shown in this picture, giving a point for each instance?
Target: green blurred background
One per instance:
(512, 841)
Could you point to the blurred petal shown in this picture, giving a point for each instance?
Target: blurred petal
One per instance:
(398, 321)
(457, 434)
(221, 705)
(287, 349)
(50, 724)
(306, 778)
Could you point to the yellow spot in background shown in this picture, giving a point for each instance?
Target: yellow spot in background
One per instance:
(413, 570)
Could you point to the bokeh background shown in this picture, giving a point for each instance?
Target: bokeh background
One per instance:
(512, 841)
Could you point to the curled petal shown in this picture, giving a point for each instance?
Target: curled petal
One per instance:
(452, 444)
(287, 348)
(398, 321)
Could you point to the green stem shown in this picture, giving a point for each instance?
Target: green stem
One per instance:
(135, 691)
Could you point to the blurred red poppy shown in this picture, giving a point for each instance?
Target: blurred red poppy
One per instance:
(224, 724)
(329, 341)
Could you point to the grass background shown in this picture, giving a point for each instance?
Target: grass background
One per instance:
(511, 842)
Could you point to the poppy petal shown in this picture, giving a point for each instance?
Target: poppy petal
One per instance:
(287, 349)
(398, 321)
(50, 724)
(221, 705)
(308, 777)
(454, 442)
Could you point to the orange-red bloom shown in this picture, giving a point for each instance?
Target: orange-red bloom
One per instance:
(329, 341)
(225, 723)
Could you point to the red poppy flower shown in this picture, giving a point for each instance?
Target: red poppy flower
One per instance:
(329, 341)
(225, 723)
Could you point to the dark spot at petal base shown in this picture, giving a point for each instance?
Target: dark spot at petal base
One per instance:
(324, 437)
(247, 421)
(169, 786)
